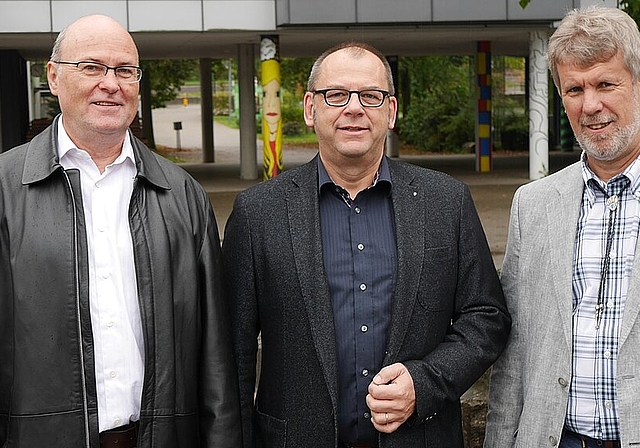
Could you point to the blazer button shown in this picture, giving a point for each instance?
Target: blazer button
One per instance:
(553, 441)
(563, 382)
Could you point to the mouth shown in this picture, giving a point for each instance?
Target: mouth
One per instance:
(105, 103)
(352, 128)
(598, 126)
(596, 123)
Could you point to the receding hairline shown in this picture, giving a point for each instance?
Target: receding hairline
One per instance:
(356, 50)
(80, 24)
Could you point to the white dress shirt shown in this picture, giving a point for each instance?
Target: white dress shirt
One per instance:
(113, 296)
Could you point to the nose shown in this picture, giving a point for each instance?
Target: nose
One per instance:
(353, 106)
(110, 83)
(591, 103)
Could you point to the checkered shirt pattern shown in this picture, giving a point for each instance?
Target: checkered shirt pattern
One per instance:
(593, 408)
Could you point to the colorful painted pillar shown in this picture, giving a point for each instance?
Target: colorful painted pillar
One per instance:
(484, 145)
(271, 106)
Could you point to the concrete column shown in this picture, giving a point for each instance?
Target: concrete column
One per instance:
(538, 106)
(206, 110)
(248, 145)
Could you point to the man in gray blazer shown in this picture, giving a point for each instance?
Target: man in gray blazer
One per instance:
(570, 375)
(370, 282)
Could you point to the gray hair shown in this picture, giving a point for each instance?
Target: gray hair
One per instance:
(594, 34)
(56, 51)
(354, 49)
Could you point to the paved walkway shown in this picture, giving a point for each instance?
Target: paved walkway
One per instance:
(492, 192)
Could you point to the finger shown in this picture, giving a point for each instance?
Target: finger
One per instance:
(389, 373)
(384, 422)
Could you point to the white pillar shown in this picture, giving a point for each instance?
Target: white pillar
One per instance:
(248, 142)
(538, 106)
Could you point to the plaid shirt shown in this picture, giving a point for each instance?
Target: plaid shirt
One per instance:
(593, 405)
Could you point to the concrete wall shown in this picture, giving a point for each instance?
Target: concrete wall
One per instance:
(298, 12)
(41, 16)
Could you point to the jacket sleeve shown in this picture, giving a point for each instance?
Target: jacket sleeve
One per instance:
(477, 327)
(240, 285)
(218, 407)
(506, 395)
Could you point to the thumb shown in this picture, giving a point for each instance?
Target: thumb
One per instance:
(388, 374)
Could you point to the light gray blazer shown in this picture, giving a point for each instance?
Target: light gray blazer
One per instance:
(530, 381)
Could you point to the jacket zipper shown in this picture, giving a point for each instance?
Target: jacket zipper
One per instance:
(85, 406)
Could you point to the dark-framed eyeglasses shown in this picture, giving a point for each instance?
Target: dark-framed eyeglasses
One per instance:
(341, 97)
(125, 73)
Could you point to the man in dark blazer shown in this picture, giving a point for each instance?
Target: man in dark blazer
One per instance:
(369, 282)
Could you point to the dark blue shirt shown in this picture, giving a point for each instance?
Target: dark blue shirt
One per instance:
(359, 251)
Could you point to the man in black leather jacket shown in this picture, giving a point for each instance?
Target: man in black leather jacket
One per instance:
(113, 329)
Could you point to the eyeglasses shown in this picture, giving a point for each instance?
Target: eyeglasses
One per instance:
(125, 73)
(341, 97)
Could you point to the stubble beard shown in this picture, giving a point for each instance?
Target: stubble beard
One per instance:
(606, 148)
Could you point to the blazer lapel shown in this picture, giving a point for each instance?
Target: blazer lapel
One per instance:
(304, 223)
(562, 211)
(408, 207)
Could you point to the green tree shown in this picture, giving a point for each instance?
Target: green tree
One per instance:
(440, 115)
(631, 7)
(161, 83)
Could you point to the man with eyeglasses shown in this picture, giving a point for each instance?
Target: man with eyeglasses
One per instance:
(369, 281)
(113, 328)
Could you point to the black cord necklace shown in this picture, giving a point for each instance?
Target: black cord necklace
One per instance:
(612, 205)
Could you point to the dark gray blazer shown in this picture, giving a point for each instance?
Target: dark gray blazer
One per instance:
(449, 320)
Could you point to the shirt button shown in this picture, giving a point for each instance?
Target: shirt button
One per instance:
(357, 210)
(365, 372)
(366, 415)
(113, 374)
(610, 304)
(105, 275)
(607, 354)
(109, 324)
(364, 328)
(117, 422)
(607, 404)
(360, 246)
(363, 287)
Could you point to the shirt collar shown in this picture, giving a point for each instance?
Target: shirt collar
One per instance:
(594, 184)
(382, 175)
(65, 145)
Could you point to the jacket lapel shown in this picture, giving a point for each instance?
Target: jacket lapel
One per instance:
(304, 221)
(408, 208)
(562, 211)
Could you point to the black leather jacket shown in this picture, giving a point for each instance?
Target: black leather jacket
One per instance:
(47, 384)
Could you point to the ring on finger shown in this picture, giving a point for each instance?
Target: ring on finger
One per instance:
(386, 418)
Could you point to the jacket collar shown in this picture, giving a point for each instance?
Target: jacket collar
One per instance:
(41, 159)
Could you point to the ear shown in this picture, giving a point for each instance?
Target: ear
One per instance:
(52, 77)
(393, 110)
(308, 109)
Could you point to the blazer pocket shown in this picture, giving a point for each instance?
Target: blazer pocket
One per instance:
(438, 278)
(272, 431)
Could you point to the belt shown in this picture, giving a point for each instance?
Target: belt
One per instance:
(120, 437)
(588, 442)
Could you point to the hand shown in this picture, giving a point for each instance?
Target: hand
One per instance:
(392, 398)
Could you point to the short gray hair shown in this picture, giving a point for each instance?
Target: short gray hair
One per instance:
(594, 34)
